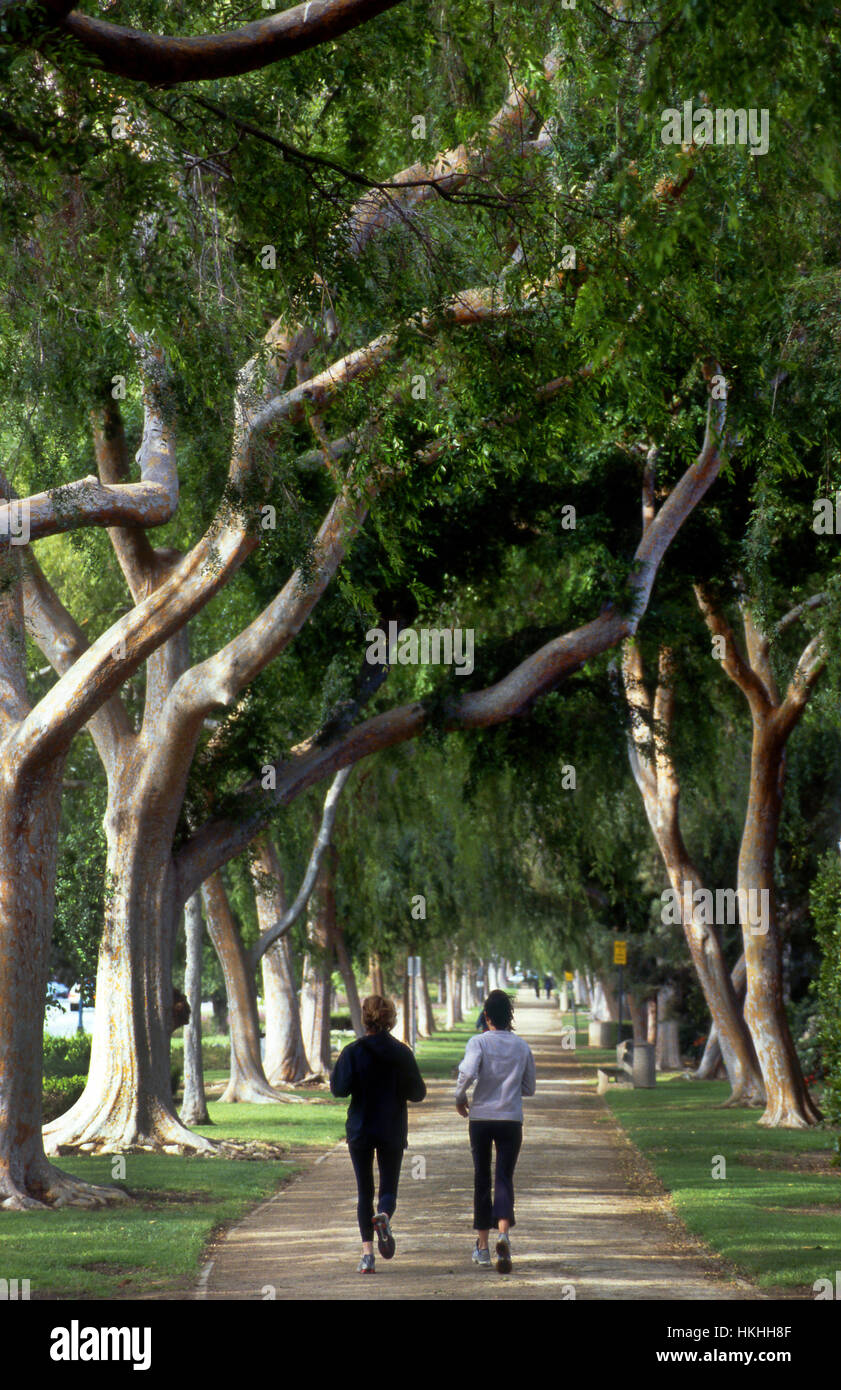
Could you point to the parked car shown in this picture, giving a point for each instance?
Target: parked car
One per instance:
(56, 990)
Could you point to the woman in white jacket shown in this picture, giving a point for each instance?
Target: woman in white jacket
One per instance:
(502, 1066)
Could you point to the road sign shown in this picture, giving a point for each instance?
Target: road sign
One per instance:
(620, 953)
(568, 975)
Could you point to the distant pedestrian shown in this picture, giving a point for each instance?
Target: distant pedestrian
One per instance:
(502, 1066)
(536, 982)
(380, 1075)
(481, 1022)
(548, 985)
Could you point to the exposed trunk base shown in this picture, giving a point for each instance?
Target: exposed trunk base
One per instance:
(49, 1187)
(253, 1090)
(113, 1126)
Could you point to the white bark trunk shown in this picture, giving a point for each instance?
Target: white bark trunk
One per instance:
(194, 1104)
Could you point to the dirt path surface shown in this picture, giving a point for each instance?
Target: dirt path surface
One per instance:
(591, 1223)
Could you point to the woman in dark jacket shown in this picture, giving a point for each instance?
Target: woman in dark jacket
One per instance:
(380, 1075)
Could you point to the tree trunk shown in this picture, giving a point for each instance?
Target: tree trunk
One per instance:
(127, 1102)
(711, 1066)
(659, 787)
(28, 847)
(349, 980)
(789, 1104)
(605, 1008)
(285, 1060)
(426, 1020)
(466, 991)
(318, 962)
(194, 1104)
(638, 1019)
(651, 1027)
(454, 1014)
(247, 1081)
(375, 971)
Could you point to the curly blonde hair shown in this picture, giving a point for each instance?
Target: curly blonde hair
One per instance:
(379, 1015)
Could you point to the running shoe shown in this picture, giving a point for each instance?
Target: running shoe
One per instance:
(366, 1265)
(385, 1240)
(503, 1253)
(481, 1257)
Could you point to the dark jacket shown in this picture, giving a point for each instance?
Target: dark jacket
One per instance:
(379, 1074)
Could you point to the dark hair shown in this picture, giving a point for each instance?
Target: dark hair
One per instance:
(499, 1009)
(379, 1015)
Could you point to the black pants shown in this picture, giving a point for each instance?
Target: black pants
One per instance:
(507, 1135)
(389, 1159)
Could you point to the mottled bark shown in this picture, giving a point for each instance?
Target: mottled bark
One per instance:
(658, 783)
(789, 1104)
(28, 849)
(194, 1102)
(127, 1101)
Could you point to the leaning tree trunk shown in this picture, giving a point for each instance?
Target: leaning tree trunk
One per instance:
(127, 1102)
(194, 1104)
(711, 1066)
(789, 1104)
(29, 816)
(247, 1080)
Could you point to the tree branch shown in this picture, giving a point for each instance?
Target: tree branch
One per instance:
(166, 60)
(322, 842)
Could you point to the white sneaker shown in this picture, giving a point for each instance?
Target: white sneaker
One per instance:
(481, 1257)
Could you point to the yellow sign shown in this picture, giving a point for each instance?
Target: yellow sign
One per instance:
(620, 953)
(567, 974)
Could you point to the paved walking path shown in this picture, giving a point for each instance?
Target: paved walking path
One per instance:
(591, 1223)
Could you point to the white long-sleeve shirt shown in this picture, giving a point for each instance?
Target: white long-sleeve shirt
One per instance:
(502, 1066)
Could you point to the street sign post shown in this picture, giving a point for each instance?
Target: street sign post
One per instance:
(620, 958)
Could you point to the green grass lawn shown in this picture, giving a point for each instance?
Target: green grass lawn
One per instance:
(774, 1218)
(776, 1212)
(156, 1241)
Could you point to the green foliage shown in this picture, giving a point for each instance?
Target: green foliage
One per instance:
(59, 1093)
(826, 909)
(68, 1056)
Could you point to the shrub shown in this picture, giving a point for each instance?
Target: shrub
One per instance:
(70, 1056)
(59, 1093)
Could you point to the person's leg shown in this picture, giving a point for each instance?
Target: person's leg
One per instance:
(362, 1158)
(480, 1146)
(389, 1160)
(508, 1138)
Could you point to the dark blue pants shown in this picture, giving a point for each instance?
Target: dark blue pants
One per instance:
(389, 1159)
(507, 1135)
